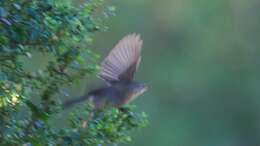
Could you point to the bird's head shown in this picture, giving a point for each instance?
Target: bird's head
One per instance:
(136, 89)
(140, 88)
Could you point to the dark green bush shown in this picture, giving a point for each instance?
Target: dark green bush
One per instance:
(30, 99)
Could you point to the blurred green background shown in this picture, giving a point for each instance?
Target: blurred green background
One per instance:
(201, 62)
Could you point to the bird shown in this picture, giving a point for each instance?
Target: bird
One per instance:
(117, 70)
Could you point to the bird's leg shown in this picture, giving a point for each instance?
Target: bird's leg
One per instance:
(94, 115)
(90, 116)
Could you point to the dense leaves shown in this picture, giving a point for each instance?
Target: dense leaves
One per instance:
(61, 31)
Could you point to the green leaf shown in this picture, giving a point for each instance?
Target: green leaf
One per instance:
(17, 6)
(3, 12)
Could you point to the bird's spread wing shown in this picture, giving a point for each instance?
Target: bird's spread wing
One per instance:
(122, 62)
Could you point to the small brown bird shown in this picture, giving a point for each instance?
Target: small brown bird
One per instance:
(118, 70)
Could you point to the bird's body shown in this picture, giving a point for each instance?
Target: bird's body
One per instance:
(114, 95)
(117, 70)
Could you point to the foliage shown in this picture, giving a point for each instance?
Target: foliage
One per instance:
(30, 100)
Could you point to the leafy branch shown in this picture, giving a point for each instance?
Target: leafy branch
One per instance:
(62, 32)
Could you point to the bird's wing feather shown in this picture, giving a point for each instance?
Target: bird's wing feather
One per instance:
(124, 59)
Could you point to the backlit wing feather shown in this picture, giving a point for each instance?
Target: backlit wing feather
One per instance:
(123, 60)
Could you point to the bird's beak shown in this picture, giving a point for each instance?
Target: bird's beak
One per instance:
(145, 88)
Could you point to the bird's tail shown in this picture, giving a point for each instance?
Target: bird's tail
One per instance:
(72, 102)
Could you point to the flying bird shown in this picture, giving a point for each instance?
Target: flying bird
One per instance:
(117, 70)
